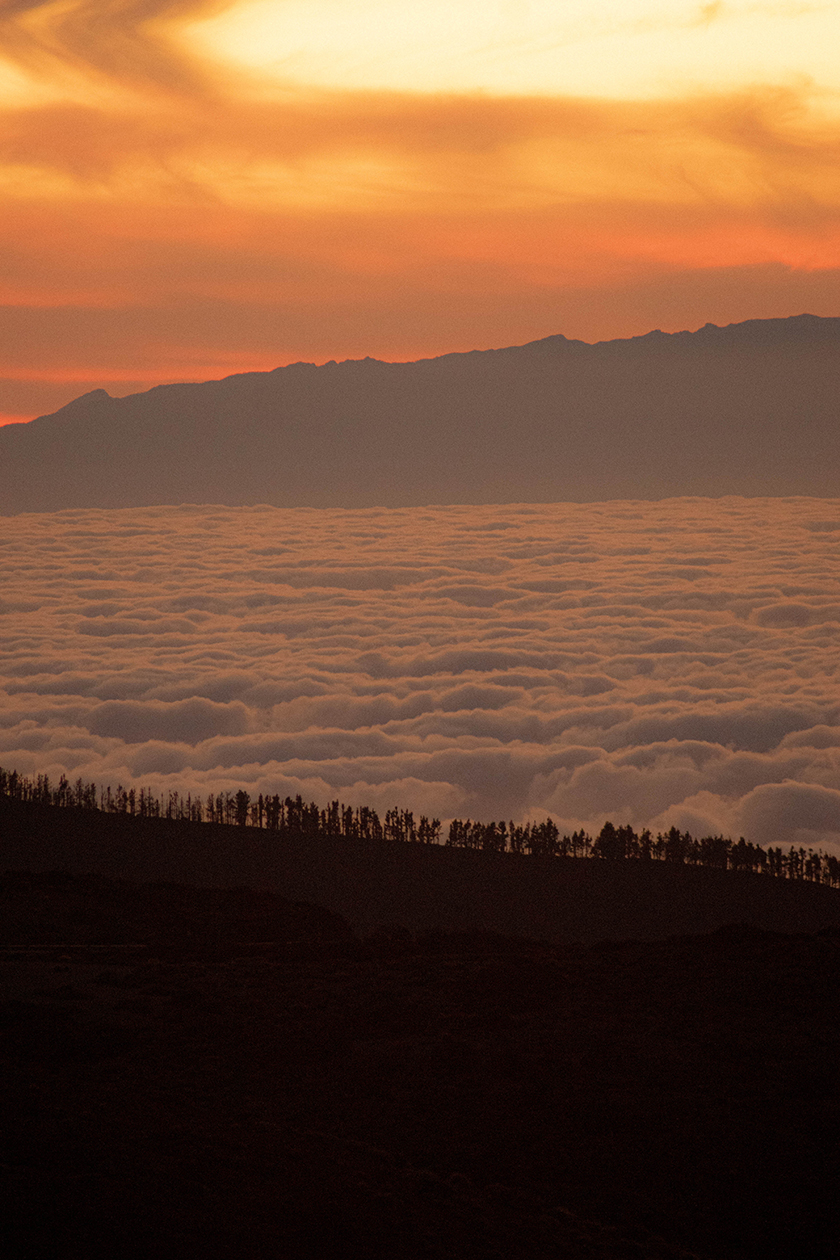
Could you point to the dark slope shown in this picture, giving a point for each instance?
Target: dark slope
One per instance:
(443, 1099)
(56, 910)
(418, 887)
(751, 409)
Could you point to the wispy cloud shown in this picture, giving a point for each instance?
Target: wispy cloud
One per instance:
(762, 149)
(127, 42)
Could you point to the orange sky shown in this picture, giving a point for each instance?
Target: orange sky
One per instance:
(192, 189)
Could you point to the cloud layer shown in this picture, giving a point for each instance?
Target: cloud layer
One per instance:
(653, 663)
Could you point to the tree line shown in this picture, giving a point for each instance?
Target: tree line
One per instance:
(294, 816)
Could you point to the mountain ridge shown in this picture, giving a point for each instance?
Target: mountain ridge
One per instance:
(830, 325)
(751, 408)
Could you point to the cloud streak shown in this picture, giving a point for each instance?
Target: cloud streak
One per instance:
(655, 663)
(127, 41)
(761, 147)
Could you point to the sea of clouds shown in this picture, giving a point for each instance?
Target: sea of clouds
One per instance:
(653, 663)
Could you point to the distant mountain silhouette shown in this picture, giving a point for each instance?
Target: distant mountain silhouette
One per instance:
(750, 409)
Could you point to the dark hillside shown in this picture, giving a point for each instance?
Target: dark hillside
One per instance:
(445, 1098)
(55, 909)
(420, 887)
(750, 409)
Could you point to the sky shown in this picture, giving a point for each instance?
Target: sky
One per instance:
(663, 664)
(192, 188)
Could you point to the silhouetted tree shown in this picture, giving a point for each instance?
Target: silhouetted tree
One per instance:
(541, 839)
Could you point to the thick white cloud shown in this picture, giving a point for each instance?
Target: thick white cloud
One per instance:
(657, 663)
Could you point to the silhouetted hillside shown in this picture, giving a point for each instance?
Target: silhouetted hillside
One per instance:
(750, 409)
(452, 1097)
(55, 908)
(376, 883)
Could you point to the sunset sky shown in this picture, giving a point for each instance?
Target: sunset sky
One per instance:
(193, 188)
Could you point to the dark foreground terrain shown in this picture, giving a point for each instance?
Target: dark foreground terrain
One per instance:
(421, 887)
(197, 1073)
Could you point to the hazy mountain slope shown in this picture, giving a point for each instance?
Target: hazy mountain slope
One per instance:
(750, 409)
